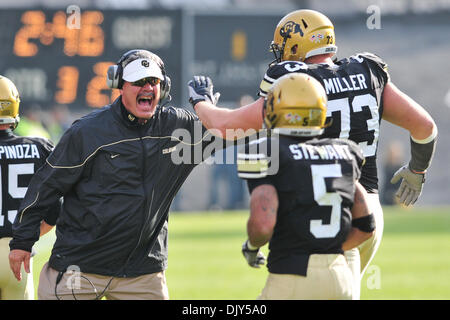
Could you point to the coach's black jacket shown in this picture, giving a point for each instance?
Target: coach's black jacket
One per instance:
(118, 180)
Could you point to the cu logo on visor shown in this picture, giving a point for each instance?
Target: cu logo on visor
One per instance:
(145, 63)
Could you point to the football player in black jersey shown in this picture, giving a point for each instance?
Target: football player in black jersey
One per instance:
(360, 94)
(307, 207)
(20, 157)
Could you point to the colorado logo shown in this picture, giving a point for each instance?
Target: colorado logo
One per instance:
(145, 63)
(290, 27)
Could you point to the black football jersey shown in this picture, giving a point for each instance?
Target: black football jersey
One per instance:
(20, 158)
(315, 183)
(354, 87)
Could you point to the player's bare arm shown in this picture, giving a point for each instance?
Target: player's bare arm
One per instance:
(403, 111)
(245, 118)
(263, 214)
(363, 226)
(237, 121)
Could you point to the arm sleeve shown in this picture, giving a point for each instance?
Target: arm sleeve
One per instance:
(422, 154)
(52, 215)
(51, 181)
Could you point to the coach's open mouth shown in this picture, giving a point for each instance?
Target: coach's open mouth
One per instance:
(145, 100)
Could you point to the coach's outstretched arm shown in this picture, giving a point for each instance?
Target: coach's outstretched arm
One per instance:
(204, 100)
(401, 110)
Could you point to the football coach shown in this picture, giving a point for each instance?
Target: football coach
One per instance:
(114, 171)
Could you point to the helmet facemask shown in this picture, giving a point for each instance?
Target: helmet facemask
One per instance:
(302, 34)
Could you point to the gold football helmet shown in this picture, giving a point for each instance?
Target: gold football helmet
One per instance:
(296, 105)
(9, 103)
(302, 34)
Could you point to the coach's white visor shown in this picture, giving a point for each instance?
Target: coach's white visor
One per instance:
(140, 69)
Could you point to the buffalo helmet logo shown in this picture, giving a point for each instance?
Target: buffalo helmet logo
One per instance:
(290, 27)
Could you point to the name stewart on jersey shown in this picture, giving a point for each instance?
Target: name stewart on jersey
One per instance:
(19, 151)
(303, 151)
(341, 84)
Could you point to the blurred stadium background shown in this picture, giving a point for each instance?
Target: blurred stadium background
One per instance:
(61, 76)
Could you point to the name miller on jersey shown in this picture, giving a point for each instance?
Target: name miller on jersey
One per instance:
(351, 83)
(303, 151)
(19, 151)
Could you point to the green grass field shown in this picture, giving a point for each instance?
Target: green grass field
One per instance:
(205, 260)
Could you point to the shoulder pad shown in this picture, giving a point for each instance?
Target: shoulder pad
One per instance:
(277, 71)
(47, 144)
(41, 140)
(372, 58)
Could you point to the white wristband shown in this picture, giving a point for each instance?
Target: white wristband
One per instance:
(432, 136)
(250, 246)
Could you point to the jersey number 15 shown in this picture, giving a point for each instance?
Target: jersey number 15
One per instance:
(16, 192)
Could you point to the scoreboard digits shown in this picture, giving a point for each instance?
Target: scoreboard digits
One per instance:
(67, 84)
(86, 41)
(61, 56)
(95, 95)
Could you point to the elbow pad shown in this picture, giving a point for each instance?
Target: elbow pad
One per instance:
(365, 224)
(422, 152)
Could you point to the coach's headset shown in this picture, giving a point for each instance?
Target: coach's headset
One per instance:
(114, 74)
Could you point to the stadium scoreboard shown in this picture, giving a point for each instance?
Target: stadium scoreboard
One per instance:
(61, 56)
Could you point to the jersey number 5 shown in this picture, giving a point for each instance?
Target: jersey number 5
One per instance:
(324, 198)
(14, 170)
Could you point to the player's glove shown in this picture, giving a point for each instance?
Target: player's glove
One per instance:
(201, 89)
(255, 258)
(411, 187)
